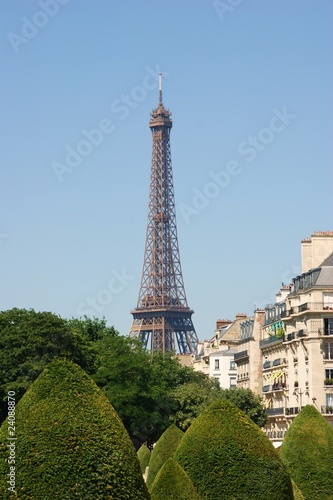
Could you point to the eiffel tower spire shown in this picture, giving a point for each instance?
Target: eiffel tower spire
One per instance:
(162, 316)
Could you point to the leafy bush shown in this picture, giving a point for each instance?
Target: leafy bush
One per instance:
(163, 449)
(29, 340)
(307, 454)
(172, 483)
(298, 495)
(144, 457)
(225, 453)
(70, 442)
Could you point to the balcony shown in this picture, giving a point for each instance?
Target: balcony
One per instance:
(272, 340)
(275, 411)
(303, 307)
(279, 361)
(278, 386)
(242, 355)
(307, 306)
(326, 410)
(293, 411)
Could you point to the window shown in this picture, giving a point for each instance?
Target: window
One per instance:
(329, 399)
(328, 350)
(328, 300)
(329, 373)
(217, 364)
(232, 382)
(328, 326)
(233, 365)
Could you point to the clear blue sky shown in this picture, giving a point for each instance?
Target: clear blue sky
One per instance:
(250, 91)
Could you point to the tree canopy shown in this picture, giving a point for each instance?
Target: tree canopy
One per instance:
(163, 449)
(29, 340)
(70, 442)
(173, 483)
(224, 451)
(306, 452)
(148, 393)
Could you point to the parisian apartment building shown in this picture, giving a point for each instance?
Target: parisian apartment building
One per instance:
(284, 352)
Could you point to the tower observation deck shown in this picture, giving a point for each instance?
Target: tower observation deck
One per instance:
(162, 319)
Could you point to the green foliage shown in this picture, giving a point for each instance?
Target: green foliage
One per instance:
(163, 449)
(225, 453)
(173, 483)
(92, 328)
(144, 457)
(307, 454)
(298, 495)
(141, 387)
(70, 442)
(247, 401)
(125, 375)
(189, 401)
(29, 340)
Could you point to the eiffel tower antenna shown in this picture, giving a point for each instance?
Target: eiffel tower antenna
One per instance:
(160, 87)
(162, 319)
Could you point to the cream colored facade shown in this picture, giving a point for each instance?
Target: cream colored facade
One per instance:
(248, 357)
(216, 356)
(285, 352)
(297, 350)
(316, 249)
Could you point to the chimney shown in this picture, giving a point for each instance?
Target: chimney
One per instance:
(241, 316)
(222, 322)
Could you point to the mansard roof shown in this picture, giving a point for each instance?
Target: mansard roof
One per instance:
(328, 262)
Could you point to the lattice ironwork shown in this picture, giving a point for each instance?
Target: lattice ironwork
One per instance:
(162, 317)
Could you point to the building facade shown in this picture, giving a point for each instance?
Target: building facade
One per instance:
(284, 353)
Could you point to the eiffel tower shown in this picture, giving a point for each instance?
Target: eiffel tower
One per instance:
(162, 317)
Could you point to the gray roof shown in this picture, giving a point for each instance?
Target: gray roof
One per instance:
(328, 261)
(325, 277)
(226, 352)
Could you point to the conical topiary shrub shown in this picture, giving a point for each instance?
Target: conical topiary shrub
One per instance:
(163, 449)
(173, 483)
(298, 495)
(227, 456)
(144, 457)
(307, 452)
(70, 442)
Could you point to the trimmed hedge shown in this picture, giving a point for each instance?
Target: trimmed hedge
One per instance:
(172, 483)
(70, 442)
(163, 449)
(298, 495)
(227, 456)
(307, 452)
(144, 457)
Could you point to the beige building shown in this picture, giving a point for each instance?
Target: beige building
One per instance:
(297, 343)
(248, 357)
(284, 352)
(216, 356)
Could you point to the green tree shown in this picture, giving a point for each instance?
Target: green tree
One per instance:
(247, 401)
(29, 340)
(306, 452)
(225, 453)
(70, 442)
(163, 449)
(144, 457)
(190, 399)
(92, 329)
(172, 483)
(125, 375)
